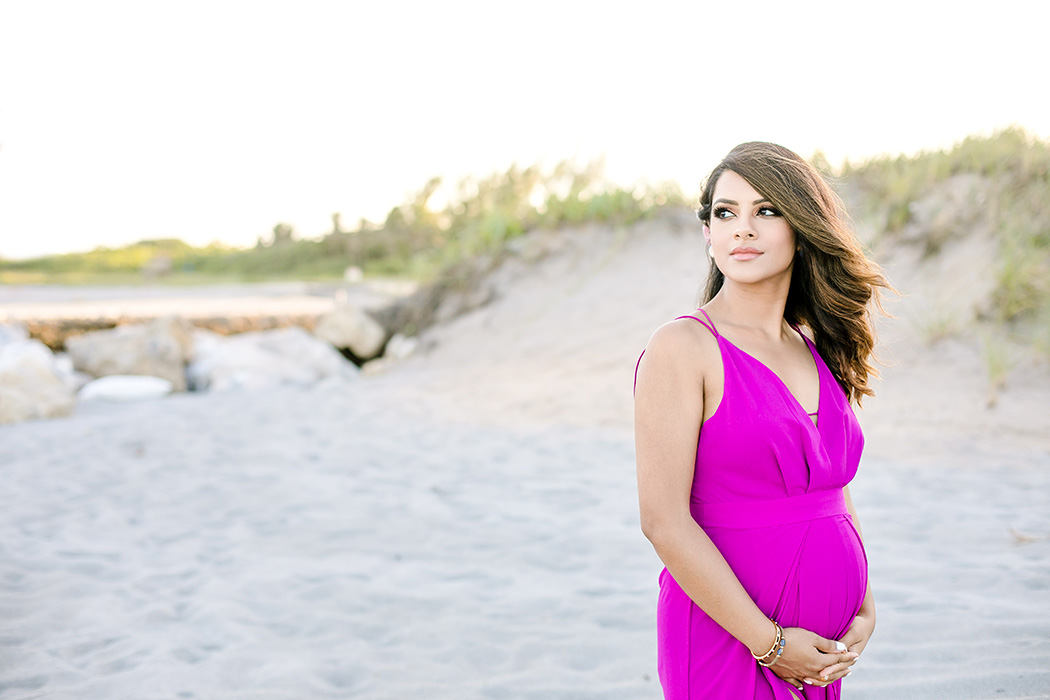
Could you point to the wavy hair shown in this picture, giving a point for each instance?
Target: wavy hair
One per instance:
(832, 282)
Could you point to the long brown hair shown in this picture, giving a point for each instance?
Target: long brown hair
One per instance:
(832, 281)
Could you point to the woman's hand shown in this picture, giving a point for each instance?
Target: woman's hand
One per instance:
(855, 639)
(807, 656)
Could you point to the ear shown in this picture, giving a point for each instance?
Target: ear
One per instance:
(707, 234)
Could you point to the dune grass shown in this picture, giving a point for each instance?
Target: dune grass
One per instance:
(1014, 170)
(417, 239)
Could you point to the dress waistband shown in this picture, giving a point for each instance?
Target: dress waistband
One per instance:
(777, 511)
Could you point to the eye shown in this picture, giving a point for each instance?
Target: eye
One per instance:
(722, 213)
(768, 211)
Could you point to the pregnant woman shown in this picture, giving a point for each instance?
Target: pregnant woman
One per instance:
(746, 440)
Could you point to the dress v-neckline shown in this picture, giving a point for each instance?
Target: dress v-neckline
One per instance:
(783, 384)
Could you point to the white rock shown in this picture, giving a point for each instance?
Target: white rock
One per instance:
(296, 344)
(73, 378)
(202, 342)
(31, 385)
(156, 349)
(352, 328)
(13, 332)
(400, 346)
(125, 387)
(262, 359)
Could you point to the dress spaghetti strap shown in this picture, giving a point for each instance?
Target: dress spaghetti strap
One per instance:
(713, 329)
(636, 366)
(709, 324)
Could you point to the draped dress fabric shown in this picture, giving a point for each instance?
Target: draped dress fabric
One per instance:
(767, 490)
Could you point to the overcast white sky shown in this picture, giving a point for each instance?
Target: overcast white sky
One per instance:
(216, 120)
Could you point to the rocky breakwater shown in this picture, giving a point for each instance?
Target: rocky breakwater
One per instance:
(160, 348)
(154, 358)
(53, 362)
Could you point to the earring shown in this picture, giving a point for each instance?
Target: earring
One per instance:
(711, 252)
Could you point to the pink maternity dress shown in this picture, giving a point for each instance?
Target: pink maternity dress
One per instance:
(767, 490)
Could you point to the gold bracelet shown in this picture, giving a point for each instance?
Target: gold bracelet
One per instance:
(775, 651)
(780, 650)
(776, 642)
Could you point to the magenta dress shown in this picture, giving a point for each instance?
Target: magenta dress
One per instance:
(767, 490)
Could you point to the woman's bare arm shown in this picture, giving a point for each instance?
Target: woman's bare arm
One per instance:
(669, 406)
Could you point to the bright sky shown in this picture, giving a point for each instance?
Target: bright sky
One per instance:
(216, 120)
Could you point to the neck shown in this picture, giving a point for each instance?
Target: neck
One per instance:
(759, 309)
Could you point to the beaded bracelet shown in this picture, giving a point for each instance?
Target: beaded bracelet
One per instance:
(775, 650)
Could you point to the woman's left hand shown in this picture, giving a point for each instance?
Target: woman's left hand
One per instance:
(855, 639)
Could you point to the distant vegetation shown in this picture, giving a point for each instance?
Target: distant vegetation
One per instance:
(418, 238)
(436, 228)
(1012, 199)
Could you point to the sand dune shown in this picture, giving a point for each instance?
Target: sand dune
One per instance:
(464, 524)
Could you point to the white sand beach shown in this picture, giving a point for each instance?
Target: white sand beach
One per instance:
(464, 524)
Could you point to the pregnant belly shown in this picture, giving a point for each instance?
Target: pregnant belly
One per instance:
(810, 574)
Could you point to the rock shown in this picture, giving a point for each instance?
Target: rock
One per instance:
(349, 328)
(13, 332)
(313, 354)
(31, 385)
(156, 349)
(400, 347)
(125, 387)
(460, 289)
(263, 359)
(70, 375)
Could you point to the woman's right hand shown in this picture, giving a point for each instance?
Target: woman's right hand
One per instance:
(806, 654)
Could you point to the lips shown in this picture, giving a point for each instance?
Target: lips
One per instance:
(743, 253)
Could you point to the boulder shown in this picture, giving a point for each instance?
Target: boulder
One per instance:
(156, 349)
(125, 387)
(263, 359)
(31, 384)
(355, 330)
(400, 347)
(13, 332)
(70, 375)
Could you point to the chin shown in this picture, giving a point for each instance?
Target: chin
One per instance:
(757, 276)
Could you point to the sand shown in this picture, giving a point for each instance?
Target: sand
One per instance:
(464, 524)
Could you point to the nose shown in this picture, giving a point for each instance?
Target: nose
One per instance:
(743, 231)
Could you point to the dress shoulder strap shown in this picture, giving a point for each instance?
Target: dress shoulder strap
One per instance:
(709, 324)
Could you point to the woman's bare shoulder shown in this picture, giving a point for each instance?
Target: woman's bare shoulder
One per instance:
(683, 342)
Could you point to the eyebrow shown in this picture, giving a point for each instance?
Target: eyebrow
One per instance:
(734, 203)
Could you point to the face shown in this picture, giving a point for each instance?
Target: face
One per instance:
(750, 239)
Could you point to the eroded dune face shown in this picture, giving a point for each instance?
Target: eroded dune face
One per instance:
(570, 311)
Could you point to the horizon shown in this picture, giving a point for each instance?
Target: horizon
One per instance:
(215, 123)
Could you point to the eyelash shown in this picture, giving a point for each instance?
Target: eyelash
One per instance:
(717, 213)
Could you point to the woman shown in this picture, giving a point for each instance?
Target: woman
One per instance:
(746, 440)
